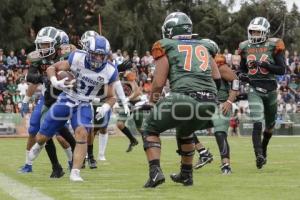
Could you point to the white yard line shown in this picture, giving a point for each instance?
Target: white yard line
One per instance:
(19, 190)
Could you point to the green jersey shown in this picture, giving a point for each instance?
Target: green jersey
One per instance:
(190, 64)
(261, 52)
(223, 92)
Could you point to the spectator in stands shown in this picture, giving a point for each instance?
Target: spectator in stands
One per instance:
(18, 75)
(2, 60)
(135, 58)
(228, 57)
(17, 101)
(147, 86)
(234, 123)
(22, 58)
(126, 55)
(11, 60)
(9, 107)
(22, 87)
(118, 57)
(11, 87)
(147, 59)
(3, 80)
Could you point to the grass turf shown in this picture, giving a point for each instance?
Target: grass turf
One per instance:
(123, 174)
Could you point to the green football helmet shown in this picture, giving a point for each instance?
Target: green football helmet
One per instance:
(177, 24)
(47, 41)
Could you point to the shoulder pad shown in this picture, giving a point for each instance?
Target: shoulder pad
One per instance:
(278, 44)
(211, 45)
(33, 56)
(242, 46)
(157, 50)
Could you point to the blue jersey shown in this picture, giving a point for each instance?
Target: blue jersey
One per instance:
(90, 83)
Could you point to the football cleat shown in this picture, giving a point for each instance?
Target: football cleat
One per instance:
(226, 169)
(92, 163)
(260, 161)
(186, 178)
(75, 175)
(205, 157)
(131, 145)
(25, 169)
(156, 177)
(57, 172)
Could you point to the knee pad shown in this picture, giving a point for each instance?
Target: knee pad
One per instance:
(150, 144)
(182, 141)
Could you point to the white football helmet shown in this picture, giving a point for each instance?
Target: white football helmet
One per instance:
(261, 25)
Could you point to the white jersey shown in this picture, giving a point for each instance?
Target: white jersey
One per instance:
(89, 83)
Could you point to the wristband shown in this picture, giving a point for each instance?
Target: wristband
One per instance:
(26, 99)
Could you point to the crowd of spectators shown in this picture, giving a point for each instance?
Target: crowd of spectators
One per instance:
(14, 66)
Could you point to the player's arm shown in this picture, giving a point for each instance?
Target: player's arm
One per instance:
(228, 75)
(34, 76)
(53, 69)
(215, 73)
(136, 91)
(160, 78)
(279, 67)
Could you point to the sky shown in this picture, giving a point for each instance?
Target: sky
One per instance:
(289, 4)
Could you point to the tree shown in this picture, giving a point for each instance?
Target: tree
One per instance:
(16, 21)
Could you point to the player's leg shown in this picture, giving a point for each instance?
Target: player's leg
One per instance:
(221, 124)
(256, 113)
(67, 148)
(205, 156)
(90, 149)
(81, 123)
(201, 119)
(102, 125)
(186, 149)
(54, 119)
(133, 141)
(34, 126)
(270, 104)
(57, 170)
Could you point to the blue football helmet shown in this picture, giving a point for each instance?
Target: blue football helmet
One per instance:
(98, 50)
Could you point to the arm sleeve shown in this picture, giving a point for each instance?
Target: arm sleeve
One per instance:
(114, 77)
(243, 65)
(34, 76)
(119, 91)
(279, 67)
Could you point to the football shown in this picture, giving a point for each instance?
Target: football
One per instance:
(63, 74)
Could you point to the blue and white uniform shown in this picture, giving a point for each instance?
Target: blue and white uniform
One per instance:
(74, 104)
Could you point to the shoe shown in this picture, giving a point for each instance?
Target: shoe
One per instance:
(57, 172)
(70, 165)
(92, 163)
(131, 145)
(156, 177)
(25, 169)
(205, 157)
(260, 161)
(75, 175)
(226, 169)
(186, 178)
(102, 158)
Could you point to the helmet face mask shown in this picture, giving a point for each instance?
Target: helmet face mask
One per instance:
(46, 41)
(258, 30)
(177, 24)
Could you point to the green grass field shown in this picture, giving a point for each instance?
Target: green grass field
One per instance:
(123, 174)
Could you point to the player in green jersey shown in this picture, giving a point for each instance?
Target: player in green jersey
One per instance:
(190, 68)
(262, 58)
(226, 95)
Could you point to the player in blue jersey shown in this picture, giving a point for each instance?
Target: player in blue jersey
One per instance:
(95, 77)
